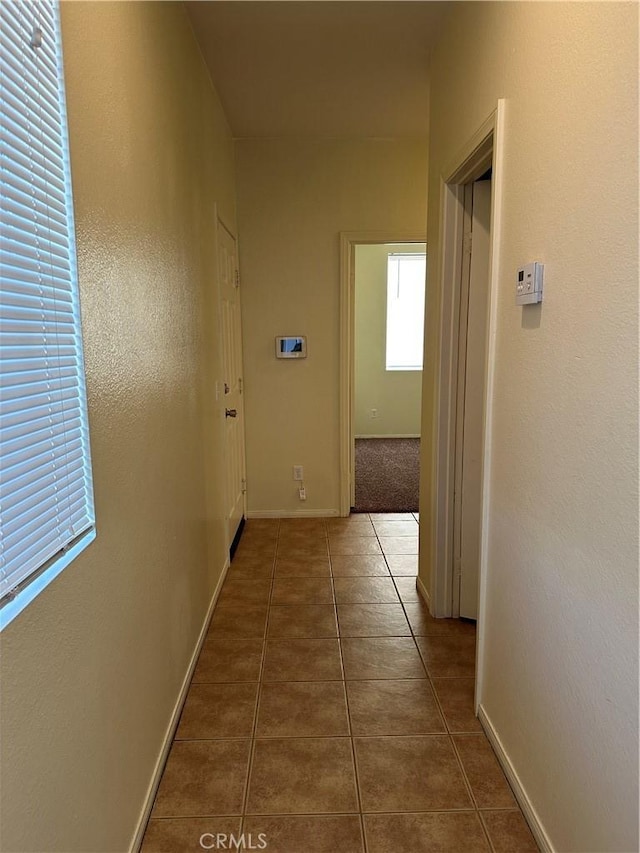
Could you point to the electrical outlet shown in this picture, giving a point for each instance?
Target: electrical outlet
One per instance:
(374, 413)
(298, 472)
(302, 493)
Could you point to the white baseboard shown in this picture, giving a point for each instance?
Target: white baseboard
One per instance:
(423, 591)
(530, 814)
(390, 435)
(287, 513)
(138, 836)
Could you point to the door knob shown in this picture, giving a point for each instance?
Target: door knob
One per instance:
(231, 413)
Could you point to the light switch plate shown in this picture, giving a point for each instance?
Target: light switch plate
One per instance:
(529, 281)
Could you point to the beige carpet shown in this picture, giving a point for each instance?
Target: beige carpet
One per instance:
(387, 474)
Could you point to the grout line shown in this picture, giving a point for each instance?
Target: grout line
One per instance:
(252, 748)
(353, 747)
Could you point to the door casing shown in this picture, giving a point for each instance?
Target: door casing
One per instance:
(235, 507)
(485, 148)
(348, 242)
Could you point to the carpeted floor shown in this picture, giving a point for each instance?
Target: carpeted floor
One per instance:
(387, 474)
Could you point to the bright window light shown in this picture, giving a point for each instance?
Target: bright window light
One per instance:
(46, 492)
(406, 275)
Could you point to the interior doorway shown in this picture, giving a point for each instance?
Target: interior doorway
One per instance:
(233, 404)
(381, 375)
(467, 288)
(472, 350)
(389, 285)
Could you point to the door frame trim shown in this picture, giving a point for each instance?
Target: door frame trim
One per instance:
(484, 148)
(221, 222)
(348, 242)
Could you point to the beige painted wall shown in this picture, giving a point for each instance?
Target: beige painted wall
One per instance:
(562, 595)
(396, 394)
(92, 669)
(294, 199)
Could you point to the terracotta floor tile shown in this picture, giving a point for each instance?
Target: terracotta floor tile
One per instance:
(456, 697)
(302, 660)
(303, 568)
(307, 833)
(393, 777)
(391, 516)
(302, 591)
(407, 590)
(488, 783)
(435, 832)
(396, 528)
(302, 621)
(424, 625)
(240, 591)
(233, 621)
(302, 776)
(265, 548)
(290, 525)
(399, 544)
(294, 550)
(353, 523)
(263, 524)
(302, 537)
(249, 569)
(393, 708)
(381, 657)
(365, 591)
(353, 545)
(448, 656)
(250, 560)
(372, 620)
(182, 835)
(229, 660)
(359, 565)
(203, 777)
(403, 564)
(303, 709)
(218, 711)
(509, 832)
(366, 530)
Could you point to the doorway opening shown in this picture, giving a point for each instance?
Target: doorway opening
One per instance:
(471, 191)
(387, 391)
(382, 338)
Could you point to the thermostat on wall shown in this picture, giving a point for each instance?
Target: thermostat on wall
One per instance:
(291, 347)
(529, 284)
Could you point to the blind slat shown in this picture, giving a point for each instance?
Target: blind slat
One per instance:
(45, 475)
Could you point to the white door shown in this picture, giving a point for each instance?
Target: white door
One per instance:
(471, 438)
(231, 339)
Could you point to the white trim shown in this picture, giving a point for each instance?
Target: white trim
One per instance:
(497, 184)
(390, 435)
(484, 148)
(138, 836)
(348, 241)
(287, 513)
(423, 592)
(531, 816)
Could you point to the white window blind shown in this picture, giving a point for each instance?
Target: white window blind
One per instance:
(46, 497)
(406, 275)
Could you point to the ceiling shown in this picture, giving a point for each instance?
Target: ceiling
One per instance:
(328, 68)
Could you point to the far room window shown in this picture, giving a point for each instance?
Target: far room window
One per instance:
(406, 275)
(46, 494)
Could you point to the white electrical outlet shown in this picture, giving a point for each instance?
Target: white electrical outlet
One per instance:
(303, 493)
(374, 413)
(298, 472)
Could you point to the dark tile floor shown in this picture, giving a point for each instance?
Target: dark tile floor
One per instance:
(329, 711)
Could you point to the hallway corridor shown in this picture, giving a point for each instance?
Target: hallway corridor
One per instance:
(328, 712)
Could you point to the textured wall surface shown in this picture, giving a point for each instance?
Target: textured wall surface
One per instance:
(396, 394)
(294, 199)
(92, 669)
(560, 683)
